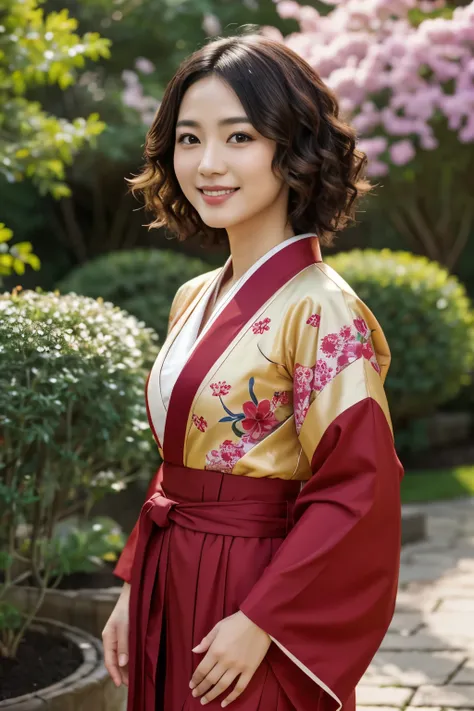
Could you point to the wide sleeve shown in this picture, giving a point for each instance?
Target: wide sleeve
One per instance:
(123, 568)
(327, 597)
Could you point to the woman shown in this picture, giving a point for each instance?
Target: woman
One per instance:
(263, 569)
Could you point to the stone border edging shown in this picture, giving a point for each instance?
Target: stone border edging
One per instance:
(413, 524)
(90, 682)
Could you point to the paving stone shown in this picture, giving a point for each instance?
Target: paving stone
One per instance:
(455, 697)
(445, 560)
(419, 572)
(420, 642)
(406, 622)
(412, 668)
(466, 674)
(459, 604)
(416, 601)
(383, 695)
(449, 625)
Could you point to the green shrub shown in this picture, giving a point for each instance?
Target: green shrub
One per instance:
(73, 428)
(141, 281)
(428, 322)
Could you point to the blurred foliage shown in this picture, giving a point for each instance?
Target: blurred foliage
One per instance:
(430, 202)
(86, 546)
(38, 49)
(143, 282)
(428, 321)
(73, 428)
(14, 259)
(100, 216)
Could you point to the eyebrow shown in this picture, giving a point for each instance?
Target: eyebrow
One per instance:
(222, 122)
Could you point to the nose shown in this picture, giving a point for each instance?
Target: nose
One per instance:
(212, 161)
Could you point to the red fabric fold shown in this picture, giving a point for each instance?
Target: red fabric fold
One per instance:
(328, 595)
(239, 508)
(123, 569)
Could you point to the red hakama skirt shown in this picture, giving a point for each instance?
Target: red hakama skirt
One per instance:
(204, 540)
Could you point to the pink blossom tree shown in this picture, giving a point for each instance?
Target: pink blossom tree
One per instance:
(403, 71)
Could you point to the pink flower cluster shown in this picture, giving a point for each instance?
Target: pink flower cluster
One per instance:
(336, 351)
(365, 47)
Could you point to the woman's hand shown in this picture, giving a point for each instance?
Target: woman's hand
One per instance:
(115, 639)
(236, 646)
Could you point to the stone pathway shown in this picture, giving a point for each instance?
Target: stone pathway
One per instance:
(426, 661)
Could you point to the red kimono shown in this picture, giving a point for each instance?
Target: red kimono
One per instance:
(279, 492)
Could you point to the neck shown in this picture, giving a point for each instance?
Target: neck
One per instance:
(248, 242)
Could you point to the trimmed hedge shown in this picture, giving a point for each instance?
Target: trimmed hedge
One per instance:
(427, 318)
(140, 281)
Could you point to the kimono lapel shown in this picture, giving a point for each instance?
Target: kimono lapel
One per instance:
(154, 402)
(220, 331)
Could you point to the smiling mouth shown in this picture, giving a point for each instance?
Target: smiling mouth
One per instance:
(216, 193)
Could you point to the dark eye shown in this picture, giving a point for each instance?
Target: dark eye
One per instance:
(186, 135)
(242, 135)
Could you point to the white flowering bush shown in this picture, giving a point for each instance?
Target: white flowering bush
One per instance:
(73, 427)
(403, 71)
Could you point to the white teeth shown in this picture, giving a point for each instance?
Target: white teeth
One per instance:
(219, 192)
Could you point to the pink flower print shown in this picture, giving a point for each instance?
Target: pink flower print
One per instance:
(261, 326)
(367, 350)
(302, 384)
(331, 344)
(345, 333)
(323, 374)
(200, 423)
(375, 365)
(259, 419)
(220, 388)
(302, 378)
(225, 458)
(361, 327)
(301, 410)
(314, 320)
(352, 350)
(279, 399)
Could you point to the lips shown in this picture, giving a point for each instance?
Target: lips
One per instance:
(217, 187)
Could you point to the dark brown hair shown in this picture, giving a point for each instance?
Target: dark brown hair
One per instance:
(286, 101)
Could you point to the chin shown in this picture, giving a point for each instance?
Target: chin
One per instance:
(219, 222)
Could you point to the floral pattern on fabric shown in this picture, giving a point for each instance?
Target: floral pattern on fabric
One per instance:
(260, 327)
(336, 351)
(251, 426)
(225, 458)
(200, 423)
(314, 320)
(220, 388)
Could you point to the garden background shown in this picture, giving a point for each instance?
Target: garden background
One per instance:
(80, 82)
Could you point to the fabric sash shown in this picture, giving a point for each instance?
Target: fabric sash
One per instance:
(258, 509)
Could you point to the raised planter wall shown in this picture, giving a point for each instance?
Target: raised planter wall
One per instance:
(89, 687)
(87, 609)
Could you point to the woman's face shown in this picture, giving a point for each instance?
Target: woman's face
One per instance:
(217, 148)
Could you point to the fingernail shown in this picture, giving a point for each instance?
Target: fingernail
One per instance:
(192, 684)
(123, 660)
(203, 700)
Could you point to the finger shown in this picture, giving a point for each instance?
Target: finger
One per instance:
(110, 656)
(224, 682)
(122, 651)
(206, 642)
(208, 663)
(212, 678)
(239, 688)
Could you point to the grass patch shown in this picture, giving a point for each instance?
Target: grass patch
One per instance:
(437, 484)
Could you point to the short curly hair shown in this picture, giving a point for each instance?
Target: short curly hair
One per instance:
(286, 101)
